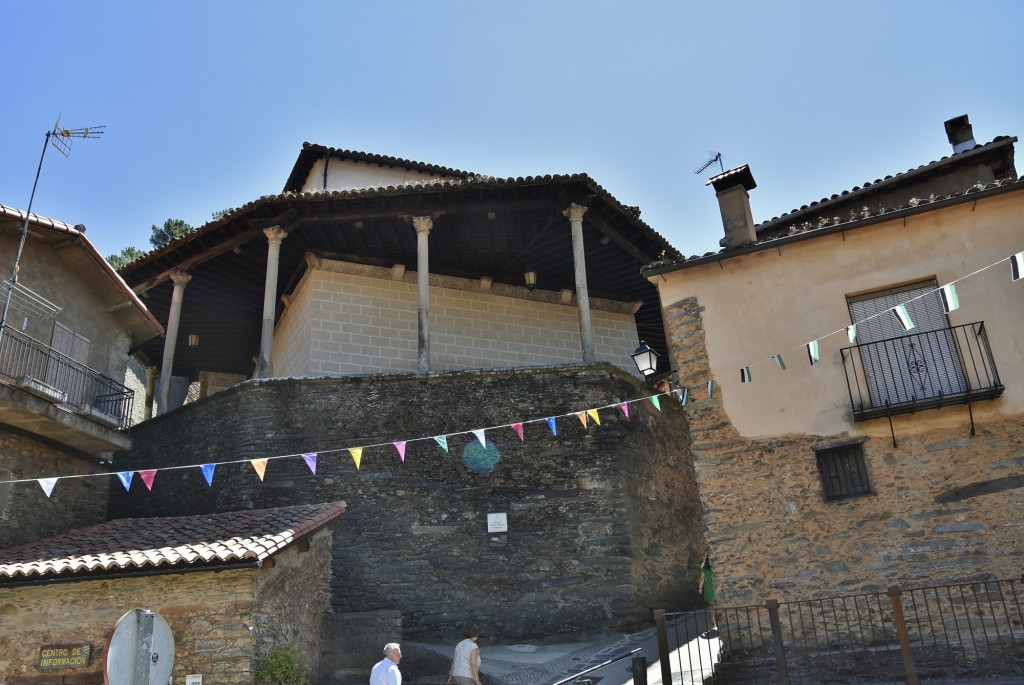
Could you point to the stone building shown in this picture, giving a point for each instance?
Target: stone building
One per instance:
(229, 586)
(896, 456)
(68, 325)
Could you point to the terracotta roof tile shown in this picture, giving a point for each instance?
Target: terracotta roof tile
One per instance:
(127, 545)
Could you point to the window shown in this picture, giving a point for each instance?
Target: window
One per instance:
(906, 366)
(842, 470)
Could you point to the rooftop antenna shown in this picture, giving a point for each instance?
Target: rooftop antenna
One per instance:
(715, 157)
(61, 139)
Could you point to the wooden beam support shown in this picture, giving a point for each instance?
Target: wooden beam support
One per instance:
(196, 259)
(605, 228)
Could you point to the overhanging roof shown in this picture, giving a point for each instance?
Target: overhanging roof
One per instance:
(483, 226)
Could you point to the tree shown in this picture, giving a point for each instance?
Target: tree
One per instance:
(125, 257)
(172, 228)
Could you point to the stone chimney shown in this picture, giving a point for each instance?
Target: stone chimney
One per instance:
(733, 201)
(959, 133)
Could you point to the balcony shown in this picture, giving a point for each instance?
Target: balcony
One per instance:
(925, 370)
(71, 403)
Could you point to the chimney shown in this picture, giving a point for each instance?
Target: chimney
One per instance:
(959, 133)
(733, 201)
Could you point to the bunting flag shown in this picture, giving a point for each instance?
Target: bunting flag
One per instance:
(685, 400)
(47, 484)
(552, 426)
(310, 459)
(357, 455)
(208, 470)
(148, 476)
(1017, 266)
(624, 408)
(903, 316)
(479, 433)
(126, 479)
(711, 389)
(851, 334)
(260, 465)
(950, 302)
(582, 416)
(655, 401)
(518, 428)
(400, 446)
(745, 375)
(442, 440)
(812, 352)
(592, 413)
(778, 360)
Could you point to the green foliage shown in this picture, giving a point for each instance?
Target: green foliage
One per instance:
(280, 666)
(126, 256)
(172, 228)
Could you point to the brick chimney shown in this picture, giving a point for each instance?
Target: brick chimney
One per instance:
(731, 188)
(960, 134)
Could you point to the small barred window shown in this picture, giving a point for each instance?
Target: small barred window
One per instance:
(843, 473)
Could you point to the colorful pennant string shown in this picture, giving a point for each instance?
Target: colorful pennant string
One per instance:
(400, 446)
(518, 428)
(148, 475)
(126, 479)
(552, 426)
(582, 416)
(655, 401)
(260, 465)
(208, 470)
(442, 440)
(357, 455)
(592, 413)
(624, 408)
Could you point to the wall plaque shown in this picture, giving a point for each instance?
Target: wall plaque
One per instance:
(64, 656)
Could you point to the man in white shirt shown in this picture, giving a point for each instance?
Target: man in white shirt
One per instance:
(386, 671)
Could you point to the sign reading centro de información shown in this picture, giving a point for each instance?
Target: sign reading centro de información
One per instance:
(64, 656)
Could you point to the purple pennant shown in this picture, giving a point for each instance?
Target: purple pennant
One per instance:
(208, 470)
(310, 459)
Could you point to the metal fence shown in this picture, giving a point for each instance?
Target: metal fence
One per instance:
(965, 633)
(44, 371)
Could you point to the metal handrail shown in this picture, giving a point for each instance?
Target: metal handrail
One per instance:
(925, 370)
(576, 676)
(52, 374)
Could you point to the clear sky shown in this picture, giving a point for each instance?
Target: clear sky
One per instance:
(206, 104)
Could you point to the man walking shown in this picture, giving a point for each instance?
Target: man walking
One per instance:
(386, 671)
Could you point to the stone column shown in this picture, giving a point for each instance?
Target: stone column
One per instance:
(275, 234)
(150, 391)
(575, 213)
(423, 224)
(180, 280)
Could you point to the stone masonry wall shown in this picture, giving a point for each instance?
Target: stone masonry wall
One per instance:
(945, 507)
(604, 521)
(30, 514)
(210, 616)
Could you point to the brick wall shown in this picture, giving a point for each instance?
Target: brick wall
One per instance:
(944, 506)
(210, 615)
(347, 318)
(604, 521)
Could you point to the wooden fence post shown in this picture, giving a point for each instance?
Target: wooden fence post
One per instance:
(901, 630)
(780, 651)
(663, 655)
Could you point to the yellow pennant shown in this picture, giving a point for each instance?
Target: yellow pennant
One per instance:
(582, 416)
(357, 455)
(260, 465)
(592, 413)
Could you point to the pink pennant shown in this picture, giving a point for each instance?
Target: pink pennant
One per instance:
(518, 428)
(147, 478)
(400, 446)
(625, 408)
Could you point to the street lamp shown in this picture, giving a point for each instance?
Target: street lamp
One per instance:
(645, 358)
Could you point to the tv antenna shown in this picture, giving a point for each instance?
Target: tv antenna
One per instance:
(61, 139)
(715, 157)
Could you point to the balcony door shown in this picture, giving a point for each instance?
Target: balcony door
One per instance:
(906, 366)
(63, 370)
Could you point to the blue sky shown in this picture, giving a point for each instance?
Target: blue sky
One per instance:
(206, 104)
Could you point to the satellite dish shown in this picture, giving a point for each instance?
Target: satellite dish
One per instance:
(140, 650)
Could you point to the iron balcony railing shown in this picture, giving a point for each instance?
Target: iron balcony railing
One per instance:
(45, 372)
(925, 370)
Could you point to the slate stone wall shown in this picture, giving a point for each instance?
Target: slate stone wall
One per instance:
(604, 520)
(28, 514)
(944, 507)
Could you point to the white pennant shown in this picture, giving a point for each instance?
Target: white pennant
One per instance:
(479, 433)
(47, 484)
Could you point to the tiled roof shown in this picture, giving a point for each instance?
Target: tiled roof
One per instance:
(124, 546)
(864, 218)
